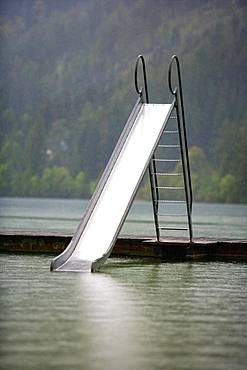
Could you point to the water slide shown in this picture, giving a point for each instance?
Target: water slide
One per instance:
(96, 234)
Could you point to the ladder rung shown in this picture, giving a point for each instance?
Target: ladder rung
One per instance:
(171, 187)
(173, 228)
(166, 174)
(168, 146)
(171, 214)
(166, 160)
(171, 201)
(171, 131)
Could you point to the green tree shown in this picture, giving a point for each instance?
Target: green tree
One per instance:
(56, 182)
(81, 186)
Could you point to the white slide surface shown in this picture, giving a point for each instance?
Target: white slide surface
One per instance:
(91, 245)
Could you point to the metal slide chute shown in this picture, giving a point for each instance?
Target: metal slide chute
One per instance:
(96, 235)
(134, 153)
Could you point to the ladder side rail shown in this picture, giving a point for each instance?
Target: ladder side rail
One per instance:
(185, 173)
(179, 106)
(155, 197)
(185, 138)
(186, 155)
(152, 166)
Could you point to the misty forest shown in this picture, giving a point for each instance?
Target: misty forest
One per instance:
(66, 89)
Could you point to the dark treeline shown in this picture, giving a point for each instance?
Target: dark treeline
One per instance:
(66, 89)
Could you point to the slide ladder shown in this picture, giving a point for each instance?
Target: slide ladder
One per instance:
(172, 189)
(135, 151)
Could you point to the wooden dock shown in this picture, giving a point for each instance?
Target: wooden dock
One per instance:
(169, 249)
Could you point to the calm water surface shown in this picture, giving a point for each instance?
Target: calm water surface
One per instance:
(132, 315)
(61, 215)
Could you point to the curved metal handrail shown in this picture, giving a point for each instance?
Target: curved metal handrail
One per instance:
(140, 90)
(174, 58)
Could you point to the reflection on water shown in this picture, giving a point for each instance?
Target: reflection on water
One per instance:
(131, 315)
(209, 220)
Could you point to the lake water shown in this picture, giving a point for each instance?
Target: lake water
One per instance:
(60, 215)
(133, 314)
